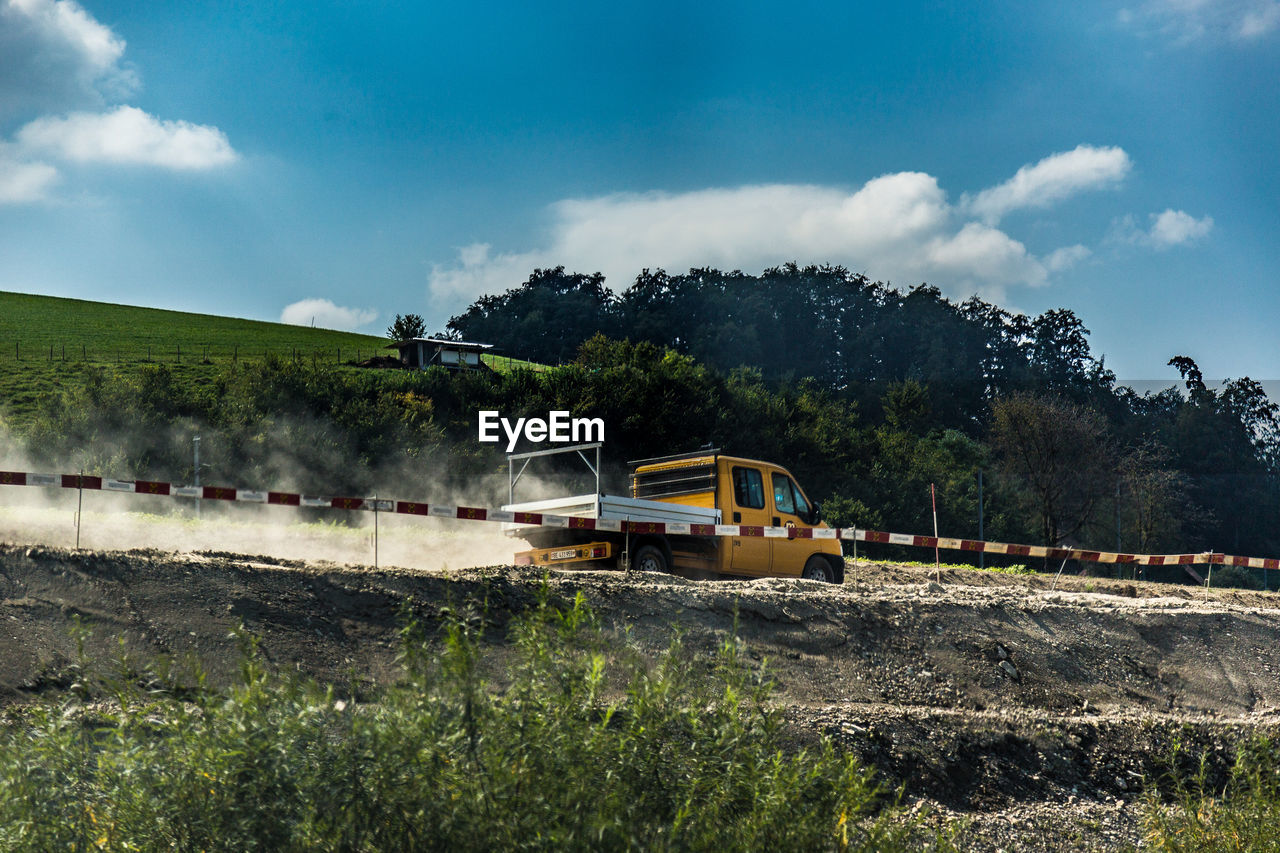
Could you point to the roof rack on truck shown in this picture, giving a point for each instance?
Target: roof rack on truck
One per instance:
(513, 477)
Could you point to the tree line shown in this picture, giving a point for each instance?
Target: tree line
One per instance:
(1087, 458)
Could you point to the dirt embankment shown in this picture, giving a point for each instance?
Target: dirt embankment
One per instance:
(1039, 714)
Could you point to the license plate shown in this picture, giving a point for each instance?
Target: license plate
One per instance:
(564, 555)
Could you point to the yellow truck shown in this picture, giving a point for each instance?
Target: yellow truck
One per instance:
(768, 527)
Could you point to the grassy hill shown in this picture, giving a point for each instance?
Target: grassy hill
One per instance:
(47, 329)
(46, 341)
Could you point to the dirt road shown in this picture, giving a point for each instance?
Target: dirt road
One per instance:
(1037, 714)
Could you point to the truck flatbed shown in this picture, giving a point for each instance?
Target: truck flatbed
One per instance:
(614, 507)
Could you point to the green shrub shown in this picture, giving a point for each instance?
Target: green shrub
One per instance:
(1234, 577)
(573, 743)
(1196, 811)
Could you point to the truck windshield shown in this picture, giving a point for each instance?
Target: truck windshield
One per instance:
(748, 488)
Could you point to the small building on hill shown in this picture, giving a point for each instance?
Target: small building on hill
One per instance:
(422, 353)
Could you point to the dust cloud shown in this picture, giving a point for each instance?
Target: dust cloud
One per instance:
(296, 455)
(106, 523)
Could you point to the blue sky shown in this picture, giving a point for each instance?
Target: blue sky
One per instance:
(348, 161)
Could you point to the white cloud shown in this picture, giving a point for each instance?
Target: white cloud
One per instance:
(1054, 178)
(127, 135)
(1169, 228)
(22, 183)
(60, 71)
(1175, 227)
(323, 314)
(1066, 257)
(1260, 21)
(1186, 21)
(898, 227)
(981, 255)
(57, 56)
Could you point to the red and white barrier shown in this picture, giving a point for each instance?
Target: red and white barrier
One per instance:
(467, 513)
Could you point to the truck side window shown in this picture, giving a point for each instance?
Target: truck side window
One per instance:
(782, 500)
(748, 488)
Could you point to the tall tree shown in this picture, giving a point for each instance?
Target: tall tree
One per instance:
(407, 327)
(1154, 502)
(1060, 452)
(1060, 355)
(545, 319)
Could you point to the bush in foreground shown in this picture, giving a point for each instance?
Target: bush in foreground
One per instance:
(1197, 810)
(578, 745)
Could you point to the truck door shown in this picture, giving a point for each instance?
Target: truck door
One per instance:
(749, 555)
(790, 508)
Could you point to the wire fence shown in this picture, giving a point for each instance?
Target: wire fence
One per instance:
(177, 353)
(84, 353)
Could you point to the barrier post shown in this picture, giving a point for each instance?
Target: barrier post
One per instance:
(982, 555)
(195, 450)
(937, 558)
(79, 506)
(855, 555)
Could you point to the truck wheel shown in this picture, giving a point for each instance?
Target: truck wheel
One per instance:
(649, 558)
(817, 569)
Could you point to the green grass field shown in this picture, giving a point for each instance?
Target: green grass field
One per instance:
(46, 342)
(45, 329)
